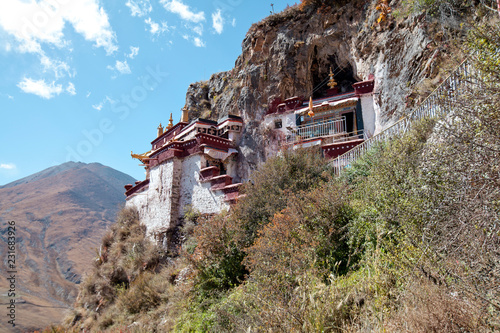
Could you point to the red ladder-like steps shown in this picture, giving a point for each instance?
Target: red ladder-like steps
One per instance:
(222, 183)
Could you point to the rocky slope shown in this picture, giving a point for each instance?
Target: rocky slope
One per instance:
(61, 214)
(290, 53)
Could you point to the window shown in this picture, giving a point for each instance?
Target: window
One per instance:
(278, 123)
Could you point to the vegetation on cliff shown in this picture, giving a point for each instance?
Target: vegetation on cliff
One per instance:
(407, 240)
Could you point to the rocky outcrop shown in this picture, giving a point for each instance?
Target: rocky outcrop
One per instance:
(291, 53)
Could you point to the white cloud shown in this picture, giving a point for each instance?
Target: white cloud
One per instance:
(234, 22)
(179, 8)
(98, 107)
(101, 104)
(40, 88)
(155, 28)
(35, 22)
(218, 21)
(60, 68)
(198, 42)
(198, 29)
(88, 94)
(70, 89)
(134, 51)
(91, 21)
(7, 96)
(121, 66)
(8, 166)
(139, 7)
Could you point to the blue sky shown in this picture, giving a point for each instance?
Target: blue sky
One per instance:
(90, 80)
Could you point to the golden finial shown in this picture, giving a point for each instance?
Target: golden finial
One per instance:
(160, 130)
(331, 84)
(170, 122)
(185, 115)
(311, 112)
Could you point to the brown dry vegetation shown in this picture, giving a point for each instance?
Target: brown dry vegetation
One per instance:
(407, 240)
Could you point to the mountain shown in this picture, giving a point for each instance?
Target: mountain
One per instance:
(61, 214)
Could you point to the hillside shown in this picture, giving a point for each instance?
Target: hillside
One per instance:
(405, 239)
(60, 214)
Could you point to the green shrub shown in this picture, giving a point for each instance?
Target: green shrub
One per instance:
(291, 173)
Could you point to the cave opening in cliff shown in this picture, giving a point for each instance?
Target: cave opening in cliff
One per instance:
(320, 68)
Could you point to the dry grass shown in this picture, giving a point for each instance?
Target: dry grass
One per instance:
(429, 307)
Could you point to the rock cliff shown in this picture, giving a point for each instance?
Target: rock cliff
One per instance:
(290, 53)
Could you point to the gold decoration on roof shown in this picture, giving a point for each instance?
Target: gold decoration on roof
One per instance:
(332, 83)
(141, 157)
(160, 130)
(170, 122)
(311, 112)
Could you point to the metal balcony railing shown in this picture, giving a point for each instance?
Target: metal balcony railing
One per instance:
(322, 129)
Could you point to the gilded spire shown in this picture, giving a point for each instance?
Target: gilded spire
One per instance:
(311, 112)
(185, 115)
(170, 122)
(160, 130)
(331, 84)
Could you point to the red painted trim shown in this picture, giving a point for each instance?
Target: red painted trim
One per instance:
(214, 141)
(219, 182)
(364, 87)
(229, 119)
(336, 149)
(136, 188)
(208, 173)
(167, 135)
(232, 188)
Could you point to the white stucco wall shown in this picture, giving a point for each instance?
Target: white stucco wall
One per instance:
(195, 193)
(173, 185)
(140, 202)
(369, 115)
(287, 120)
(155, 205)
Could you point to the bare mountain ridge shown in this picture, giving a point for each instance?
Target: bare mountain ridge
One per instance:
(61, 214)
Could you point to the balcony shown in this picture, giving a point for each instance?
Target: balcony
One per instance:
(331, 128)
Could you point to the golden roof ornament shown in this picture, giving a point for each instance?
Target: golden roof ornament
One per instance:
(160, 130)
(170, 122)
(141, 157)
(311, 112)
(331, 84)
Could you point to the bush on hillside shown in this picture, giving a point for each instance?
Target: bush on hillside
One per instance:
(119, 278)
(222, 239)
(293, 172)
